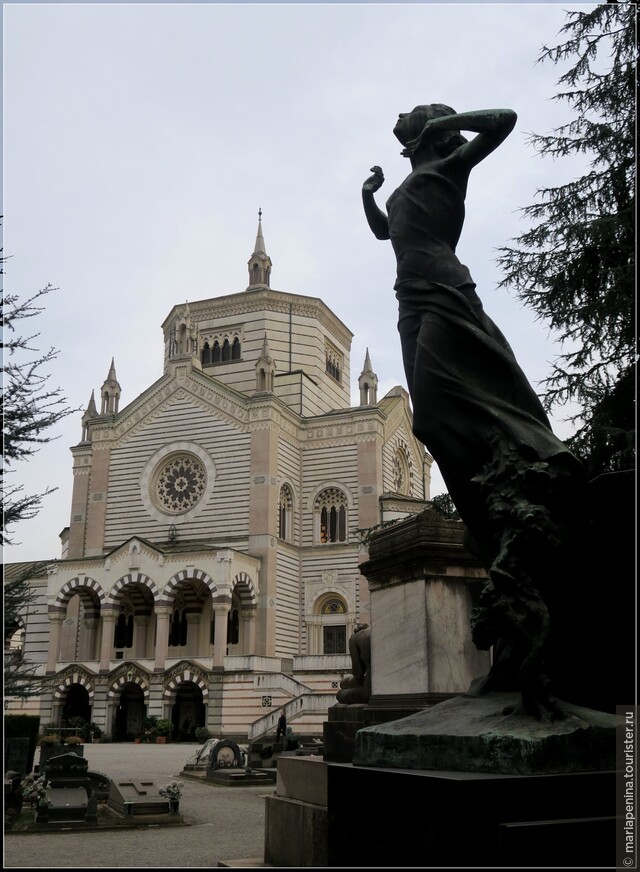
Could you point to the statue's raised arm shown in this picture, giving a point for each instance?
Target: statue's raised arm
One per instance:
(377, 219)
(492, 126)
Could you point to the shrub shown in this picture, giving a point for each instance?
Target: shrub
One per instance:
(73, 740)
(202, 734)
(164, 727)
(50, 739)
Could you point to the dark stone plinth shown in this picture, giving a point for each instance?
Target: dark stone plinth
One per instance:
(296, 833)
(458, 819)
(339, 732)
(67, 804)
(237, 778)
(491, 734)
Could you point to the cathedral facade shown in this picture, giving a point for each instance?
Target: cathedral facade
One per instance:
(210, 570)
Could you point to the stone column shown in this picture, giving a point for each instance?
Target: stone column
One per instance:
(55, 626)
(163, 613)
(248, 631)
(106, 643)
(221, 614)
(193, 633)
(87, 647)
(140, 629)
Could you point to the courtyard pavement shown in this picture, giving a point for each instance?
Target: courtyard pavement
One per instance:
(225, 823)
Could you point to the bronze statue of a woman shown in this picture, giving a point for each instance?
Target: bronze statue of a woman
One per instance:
(515, 484)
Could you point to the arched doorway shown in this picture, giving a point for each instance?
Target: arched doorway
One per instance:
(130, 713)
(76, 704)
(188, 712)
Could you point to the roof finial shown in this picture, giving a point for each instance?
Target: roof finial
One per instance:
(259, 213)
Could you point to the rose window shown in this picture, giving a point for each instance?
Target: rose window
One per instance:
(180, 484)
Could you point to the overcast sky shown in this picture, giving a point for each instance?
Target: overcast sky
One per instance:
(141, 139)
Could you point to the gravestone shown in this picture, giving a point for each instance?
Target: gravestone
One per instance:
(70, 791)
(227, 766)
(48, 751)
(68, 771)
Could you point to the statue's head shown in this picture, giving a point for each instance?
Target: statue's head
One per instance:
(410, 125)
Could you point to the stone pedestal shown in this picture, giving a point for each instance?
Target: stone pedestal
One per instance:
(296, 817)
(344, 721)
(398, 818)
(422, 583)
(492, 734)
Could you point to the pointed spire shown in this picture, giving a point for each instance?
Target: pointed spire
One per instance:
(90, 413)
(259, 262)
(368, 383)
(91, 408)
(259, 246)
(265, 348)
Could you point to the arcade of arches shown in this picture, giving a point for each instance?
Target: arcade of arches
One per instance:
(137, 622)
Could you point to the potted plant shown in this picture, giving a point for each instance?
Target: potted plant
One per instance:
(150, 728)
(173, 792)
(164, 728)
(73, 741)
(95, 733)
(49, 740)
(202, 734)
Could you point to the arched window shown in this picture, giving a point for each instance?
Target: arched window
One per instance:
(402, 472)
(226, 350)
(235, 349)
(333, 610)
(216, 355)
(14, 640)
(178, 625)
(330, 511)
(233, 627)
(334, 365)
(123, 632)
(206, 354)
(285, 514)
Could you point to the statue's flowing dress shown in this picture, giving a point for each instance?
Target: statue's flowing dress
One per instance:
(471, 400)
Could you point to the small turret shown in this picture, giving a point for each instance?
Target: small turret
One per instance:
(259, 262)
(265, 370)
(183, 337)
(110, 392)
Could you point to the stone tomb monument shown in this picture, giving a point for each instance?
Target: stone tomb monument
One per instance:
(140, 799)
(227, 766)
(530, 747)
(69, 797)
